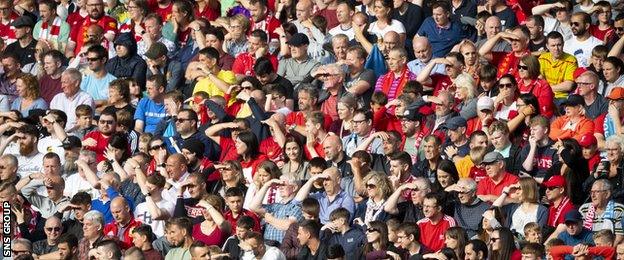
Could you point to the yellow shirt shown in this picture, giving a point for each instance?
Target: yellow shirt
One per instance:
(557, 71)
(463, 166)
(209, 87)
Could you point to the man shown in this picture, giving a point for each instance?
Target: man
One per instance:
(362, 129)
(123, 224)
(390, 144)
(491, 187)
(280, 215)
(332, 77)
(408, 238)
(258, 47)
(442, 41)
(96, 84)
(500, 139)
(151, 110)
(71, 97)
(155, 210)
(582, 44)
(12, 70)
(359, 81)
(457, 142)
(93, 225)
(267, 76)
(142, 238)
(25, 150)
(97, 140)
(105, 250)
(152, 34)
(575, 233)
(340, 231)
(469, 206)
(335, 156)
(308, 235)
(7, 16)
(186, 128)
(535, 24)
(573, 124)
(435, 223)
(262, 19)
(307, 99)
(315, 134)
(176, 171)
(427, 166)
(423, 53)
(610, 122)
(186, 205)
(560, 204)
(328, 11)
(50, 82)
(492, 28)
(244, 225)
(344, 13)
(9, 173)
(127, 63)
(519, 40)
(214, 38)
(24, 47)
(210, 77)
(68, 247)
(234, 198)
(602, 212)
(333, 197)
(96, 15)
(298, 67)
(158, 63)
(304, 13)
(180, 236)
(400, 171)
(255, 248)
(557, 66)
(410, 15)
(539, 156)
(54, 186)
(587, 83)
(54, 124)
(53, 231)
(51, 28)
(393, 82)
(338, 54)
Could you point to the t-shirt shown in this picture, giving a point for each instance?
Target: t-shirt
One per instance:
(50, 144)
(150, 113)
(557, 71)
(432, 235)
(25, 164)
(581, 50)
(101, 144)
(141, 214)
(97, 88)
(394, 26)
(49, 87)
(178, 253)
(209, 87)
(25, 54)
(488, 187)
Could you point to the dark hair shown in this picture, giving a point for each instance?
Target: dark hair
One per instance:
(260, 34)
(554, 35)
(449, 253)
(340, 213)
(61, 116)
(120, 141)
(299, 142)
(123, 87)
(312, 227)
(382, 228)
(368, 115)
(210, 52)
(487, 72)
(442, 4)
(403, 157)
(311, 206)
(158, 79)
(70, 239)
(50, 4)
(216, 32)
(617, 63)
(507, 247)
(479, 246)
(263, 67)
(254, 82)
(55, 54)
(29, 130)
(364, 156)
(185, 7)
(449, 167)
(183, 223)
(111, 246)
(437, 196)
(81, 198)
(379, 98)
(537, 19)
(234, 192)
(52, 155)
(530, 99)
(458, 56)
(245, 222)
(253, 147)
(99, 50)
(413, 86)
(410, 229)
(145, 230)
(317, 162)
(261, 2)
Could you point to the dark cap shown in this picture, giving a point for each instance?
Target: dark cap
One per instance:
(71, 142)
(455, 122)
(23, 21)
(298, 39)
(156, 51)
(492, 157)
(195, 147)
(574, 100)
(411, 115)
(573, 216)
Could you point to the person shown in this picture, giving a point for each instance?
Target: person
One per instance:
(582, 43)
(441, 42)
(24, 47)
(507, 61)
(150, 110)
(300, 65)
(573, 124)
(540, 156)
(476, 250)
(393, 82)
(470, 205)
(53, 231)
(435, 222)
(96, 84)
(560, 204)
(98, 140)
(503, 246)
(601, 201)
(244, 62)
(127, 63)
(526, 193)
(71, 97)
(557, 66)
(142, 238)
(93, 226)
(29, 97)
(497, 178)
(574, 233)
(211, 78)
(244, 225)
(309, 238)
(51, 28)
(180, 237)
(123, 224)
(50, 81)
(158, 63)
(25, 150)
(255, 248)
(215, 228)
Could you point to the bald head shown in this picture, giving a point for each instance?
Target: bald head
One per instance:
(333, 139)
(119, 202)
(332, 146)
(391, 36)
(53, 222)
(492, 26)
(120, 210)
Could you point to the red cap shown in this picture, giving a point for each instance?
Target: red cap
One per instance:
(579, 71)
(555, 181)
(617, 93)
(588, 140)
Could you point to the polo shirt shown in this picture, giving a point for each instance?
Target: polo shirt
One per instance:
(585, 237)
(150, 113)
(295, 71)
(557, 71)
(432, 235)
(488, 187)
(342, 200)
(69, 104)
(442, 39)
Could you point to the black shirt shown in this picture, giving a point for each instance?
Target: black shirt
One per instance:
(26, 55)
(306, 254)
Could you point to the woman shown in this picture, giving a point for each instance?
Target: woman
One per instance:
(612, 169)
(377, 243)
(528, 210)
(465, 95)
(505, 102)
(285, 11)
(29, 97)
(492, 219)
(456, 239)
(231, 176)
(342, 126)
(247, 148)
(613, 71)
(267, 170)
(137, 10)
(158, 153)
(295, 166)
(135, 92)
(119, 96)
(178, 29)
(528, 108)
(235, 41)
(238, 107)
(385, 23)
(447, 174)
(207, 9)
(530, 82)
(502, 245)
(378, 189)
(214, 230)
(116, 153)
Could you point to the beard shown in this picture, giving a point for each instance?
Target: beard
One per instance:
(26, 149)
(70, 165)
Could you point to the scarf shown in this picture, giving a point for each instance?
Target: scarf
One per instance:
(389, 79)
(50, 32)
(373, 210)
(203, 111)
(588, 222)
(563, 203)
(608, 126)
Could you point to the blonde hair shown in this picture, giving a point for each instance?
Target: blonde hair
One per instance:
(464, 80)
(530, 191)
(382, 182)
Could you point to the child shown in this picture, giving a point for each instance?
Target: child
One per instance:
(144, 140)
(84, 121)
(533, 233)
(532, 251)
(243, 225)
(125, 123)
(276, 100)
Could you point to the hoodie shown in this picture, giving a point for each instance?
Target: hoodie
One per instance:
(131, 65)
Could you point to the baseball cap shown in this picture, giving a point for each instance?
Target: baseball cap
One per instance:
(71, 142)
(298, 39)
(491, 157)
(156, 51)
(573, 216)
(485, 103)
(455, 122)
(574, 100)
(411, 115)
(579, 71)
(555, 181)
(616, 93)
(588, 140)
(23, 21)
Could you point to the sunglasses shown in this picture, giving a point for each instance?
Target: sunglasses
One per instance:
(107, 122)
(156, 147)
(522, 67)
(619, 29)
(55, 229)
(371, 230)
(181, 120)
(371, 186)
(493, 239)
(575, 24)
(506, 85)
(94, 59)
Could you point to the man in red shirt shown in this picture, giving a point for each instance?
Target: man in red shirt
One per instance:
(123, 224)
(97, 140)
(560, 204)
(161, 7)
(435, 223)
(308, 96)
(491, 187)
(262, 19)
(507, 63)
(78, 34)
(7, 16)
(234, 201)
(244, 63)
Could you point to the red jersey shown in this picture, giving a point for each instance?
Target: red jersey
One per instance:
(556, 215)
(7, 31)
(545, 96)
(125, 239)
(384, 121)
(272, 150)
(507, 62)
(593, 162)
(230, 218)
(78, 34)
(128, 27)
(208, 13)
(488, 187)
(164, 12)
(100, 147)
(432, 235)
(268, 25)
(228, 150)
(298, 118)
(244, 62)
(603, 35)
(441, 82)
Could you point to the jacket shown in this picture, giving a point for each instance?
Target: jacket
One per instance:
(131, 65)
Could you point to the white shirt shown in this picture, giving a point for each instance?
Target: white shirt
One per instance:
(75, 184)
(271, 253)
(581, 50)
(395, 26)
(141, 213)
(50, 144)
(25, 164)
(338, 30)
(68, 105)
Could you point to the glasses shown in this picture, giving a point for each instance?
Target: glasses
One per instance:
(506, 85)
(182, 120)
(156, 147)
(619, 29)
(493, 239)
(370, 186)
(575, 24)
(522, 67)
(106, 122)
(371, 230)
(55, 229)
(4, 9)
(19, 252)
(94, 59)
(358, 121)
(596, 191)
(465, 192)
(583, 83)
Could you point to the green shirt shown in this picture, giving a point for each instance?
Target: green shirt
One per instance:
(178, 253)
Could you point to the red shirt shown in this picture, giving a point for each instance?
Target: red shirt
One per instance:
(432, 235)
(384, 121)
(100, 147)
(228, 150)
(7, 31)
(78, 34)
(208, 13)
(268, 25)
(556, 215)
(165, 12)
(253, 163)
(603, 35)
(507, 62)
(594, 161)
(272, 150)
(112, 229)
(488, 187)
(244, 62)
(330, 107)
(440, 82)
(230, 218)
(216, 238)
(545, 96)
(298, 118)
(330, 16)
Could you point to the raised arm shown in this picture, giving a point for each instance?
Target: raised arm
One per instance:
(213, 131)
(542, 9)
(369, 140)
(305, 189)
(256, 202)
(89, 174)
(393, 200)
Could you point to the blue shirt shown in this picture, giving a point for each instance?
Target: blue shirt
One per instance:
(150, 113)
(585, 237)
(416, 66)
(97, 88)
(442, 39)
(342, 200)
(37, 104)
(352, 242)
(104, 207)
(281, 211)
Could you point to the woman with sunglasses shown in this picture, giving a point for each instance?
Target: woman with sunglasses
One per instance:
(231, 177)
(377, 244)
(378, 189)
(490, 221)
(527, 210)
(528, 107)
(158, 153)
(505, 102)
(502, 245)
(575, 169)
(530, 82)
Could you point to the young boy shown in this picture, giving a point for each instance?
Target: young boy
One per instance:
(276, 100)
(244, 225)
(533, 251)
(84, 121)
(533, 233)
